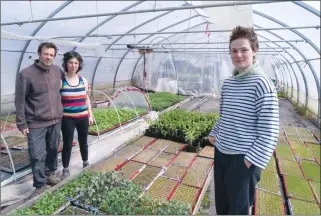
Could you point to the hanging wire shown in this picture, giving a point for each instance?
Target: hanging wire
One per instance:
(30, 6)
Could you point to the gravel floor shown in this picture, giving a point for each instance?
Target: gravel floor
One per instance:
(288, 117)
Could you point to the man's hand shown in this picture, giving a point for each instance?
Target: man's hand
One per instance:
(247, 163)
(211, 140)
(25, 131)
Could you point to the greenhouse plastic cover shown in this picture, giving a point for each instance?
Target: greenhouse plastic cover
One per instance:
(175, 65)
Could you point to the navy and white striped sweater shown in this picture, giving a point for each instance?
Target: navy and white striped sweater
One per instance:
(249, 118)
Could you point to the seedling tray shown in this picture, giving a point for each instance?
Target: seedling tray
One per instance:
(145, 156)
(162, 160)
(290, 130)
(7, 127)
(302, 152)
(284, 152)
(311, 170)
(186, 194)
(282, 141)
(271, 166)
(298, 188)
(175, 172)
(315, 149)
(129, 152)
(20, 159)
(144, 141)
(16, 142)
(269, 182)
(309, 139)
(146, 176)
(184, 159)
(303, 131)
(268, 204)
(129, 169)
(316, 190)
(160, 144)
(290, 168)
(161, 189)
(113, 163)
(175, 147)
(207, 152)
(300, 207)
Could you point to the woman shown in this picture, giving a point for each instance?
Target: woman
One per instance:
(246, 133)
(77, 109)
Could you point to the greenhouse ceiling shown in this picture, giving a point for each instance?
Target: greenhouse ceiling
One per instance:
(289, 34)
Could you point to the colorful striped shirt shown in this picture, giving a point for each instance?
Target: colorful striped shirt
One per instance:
(249, 118)
(74, 98)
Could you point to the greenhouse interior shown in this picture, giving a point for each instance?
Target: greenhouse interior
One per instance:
(155, 73)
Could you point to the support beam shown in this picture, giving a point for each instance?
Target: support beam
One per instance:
(205, 48)
(141, 11)
(219, 42)
(307, 7)
(190, 32)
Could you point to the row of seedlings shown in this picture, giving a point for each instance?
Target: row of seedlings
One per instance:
(8, 123)
(269, 197)
(299, 171)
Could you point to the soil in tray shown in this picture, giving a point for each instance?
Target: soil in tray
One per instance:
(198, 172)
(146, 176)
(207, 151)
(184, 159)
(269, 182)
(143, 141)
(162, 159)
(185, 194)
(299, 207)
(129, 169)
(290, 130)
(303, 131)
(284, 152)
(146, 155)
(298, 188)
(161, 188)
(282, 141)
(311, 170)
(315, 149)
(302, 152)
(309, 138)
(20, 160)
(268, 203)
(175, 172)
(316, 189)
(271, 165)
(71, 210)
(128, 152)
(15, 141)
(290, 168)
(109, 164)
(174, 147)
(160, 144)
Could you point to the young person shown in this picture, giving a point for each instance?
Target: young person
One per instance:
(76, 109)
(246, 133)
(39, 112)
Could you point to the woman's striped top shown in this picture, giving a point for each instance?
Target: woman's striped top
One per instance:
(74, 99)
(249, 118)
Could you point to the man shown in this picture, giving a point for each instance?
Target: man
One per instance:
(39, 112)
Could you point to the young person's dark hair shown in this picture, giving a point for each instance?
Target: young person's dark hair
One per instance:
(69, 55)
(247, 33)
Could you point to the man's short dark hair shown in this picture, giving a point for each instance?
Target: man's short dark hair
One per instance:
(47, 45)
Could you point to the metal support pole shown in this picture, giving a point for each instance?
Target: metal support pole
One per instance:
(142, 11)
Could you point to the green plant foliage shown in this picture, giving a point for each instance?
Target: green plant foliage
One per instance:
(282, 95)
(290, 168)
(311, 170)
(299, 188)
(183, 125)
(70, 210)
(106, 118)
(284, 152)
(271, 166)
(163, 100)
(268, 204)
(269, 182)
(316, 189)
(300, 207)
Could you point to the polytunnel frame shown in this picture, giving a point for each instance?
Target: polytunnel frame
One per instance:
(282, 65)
(276, 68)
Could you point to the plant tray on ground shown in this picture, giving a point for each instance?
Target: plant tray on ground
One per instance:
(316, 189)
(294, 139)
(290, 130)
(315, 149)
(161, 188)
(316, 134)
(71, 210)
(290, 168)
(15, 142)
(20, 160)
(269, 182)
(298, 188)
(303, 131)
(309, 138)
(299, 207)
(146, 176)
(8, 126)
(162, 160)
(311, 170)
(185, 194)
(146, 155)
(160, 144)
(174, 147)
(302, 152)
(129, 151)
(175, 172)
(271, 166)
(198, 172)
(282, 141)
(207, 151)
(284, 152)
(129, 169)
(268, 204)
(184, 159)
(143, 141)
(109, 165)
